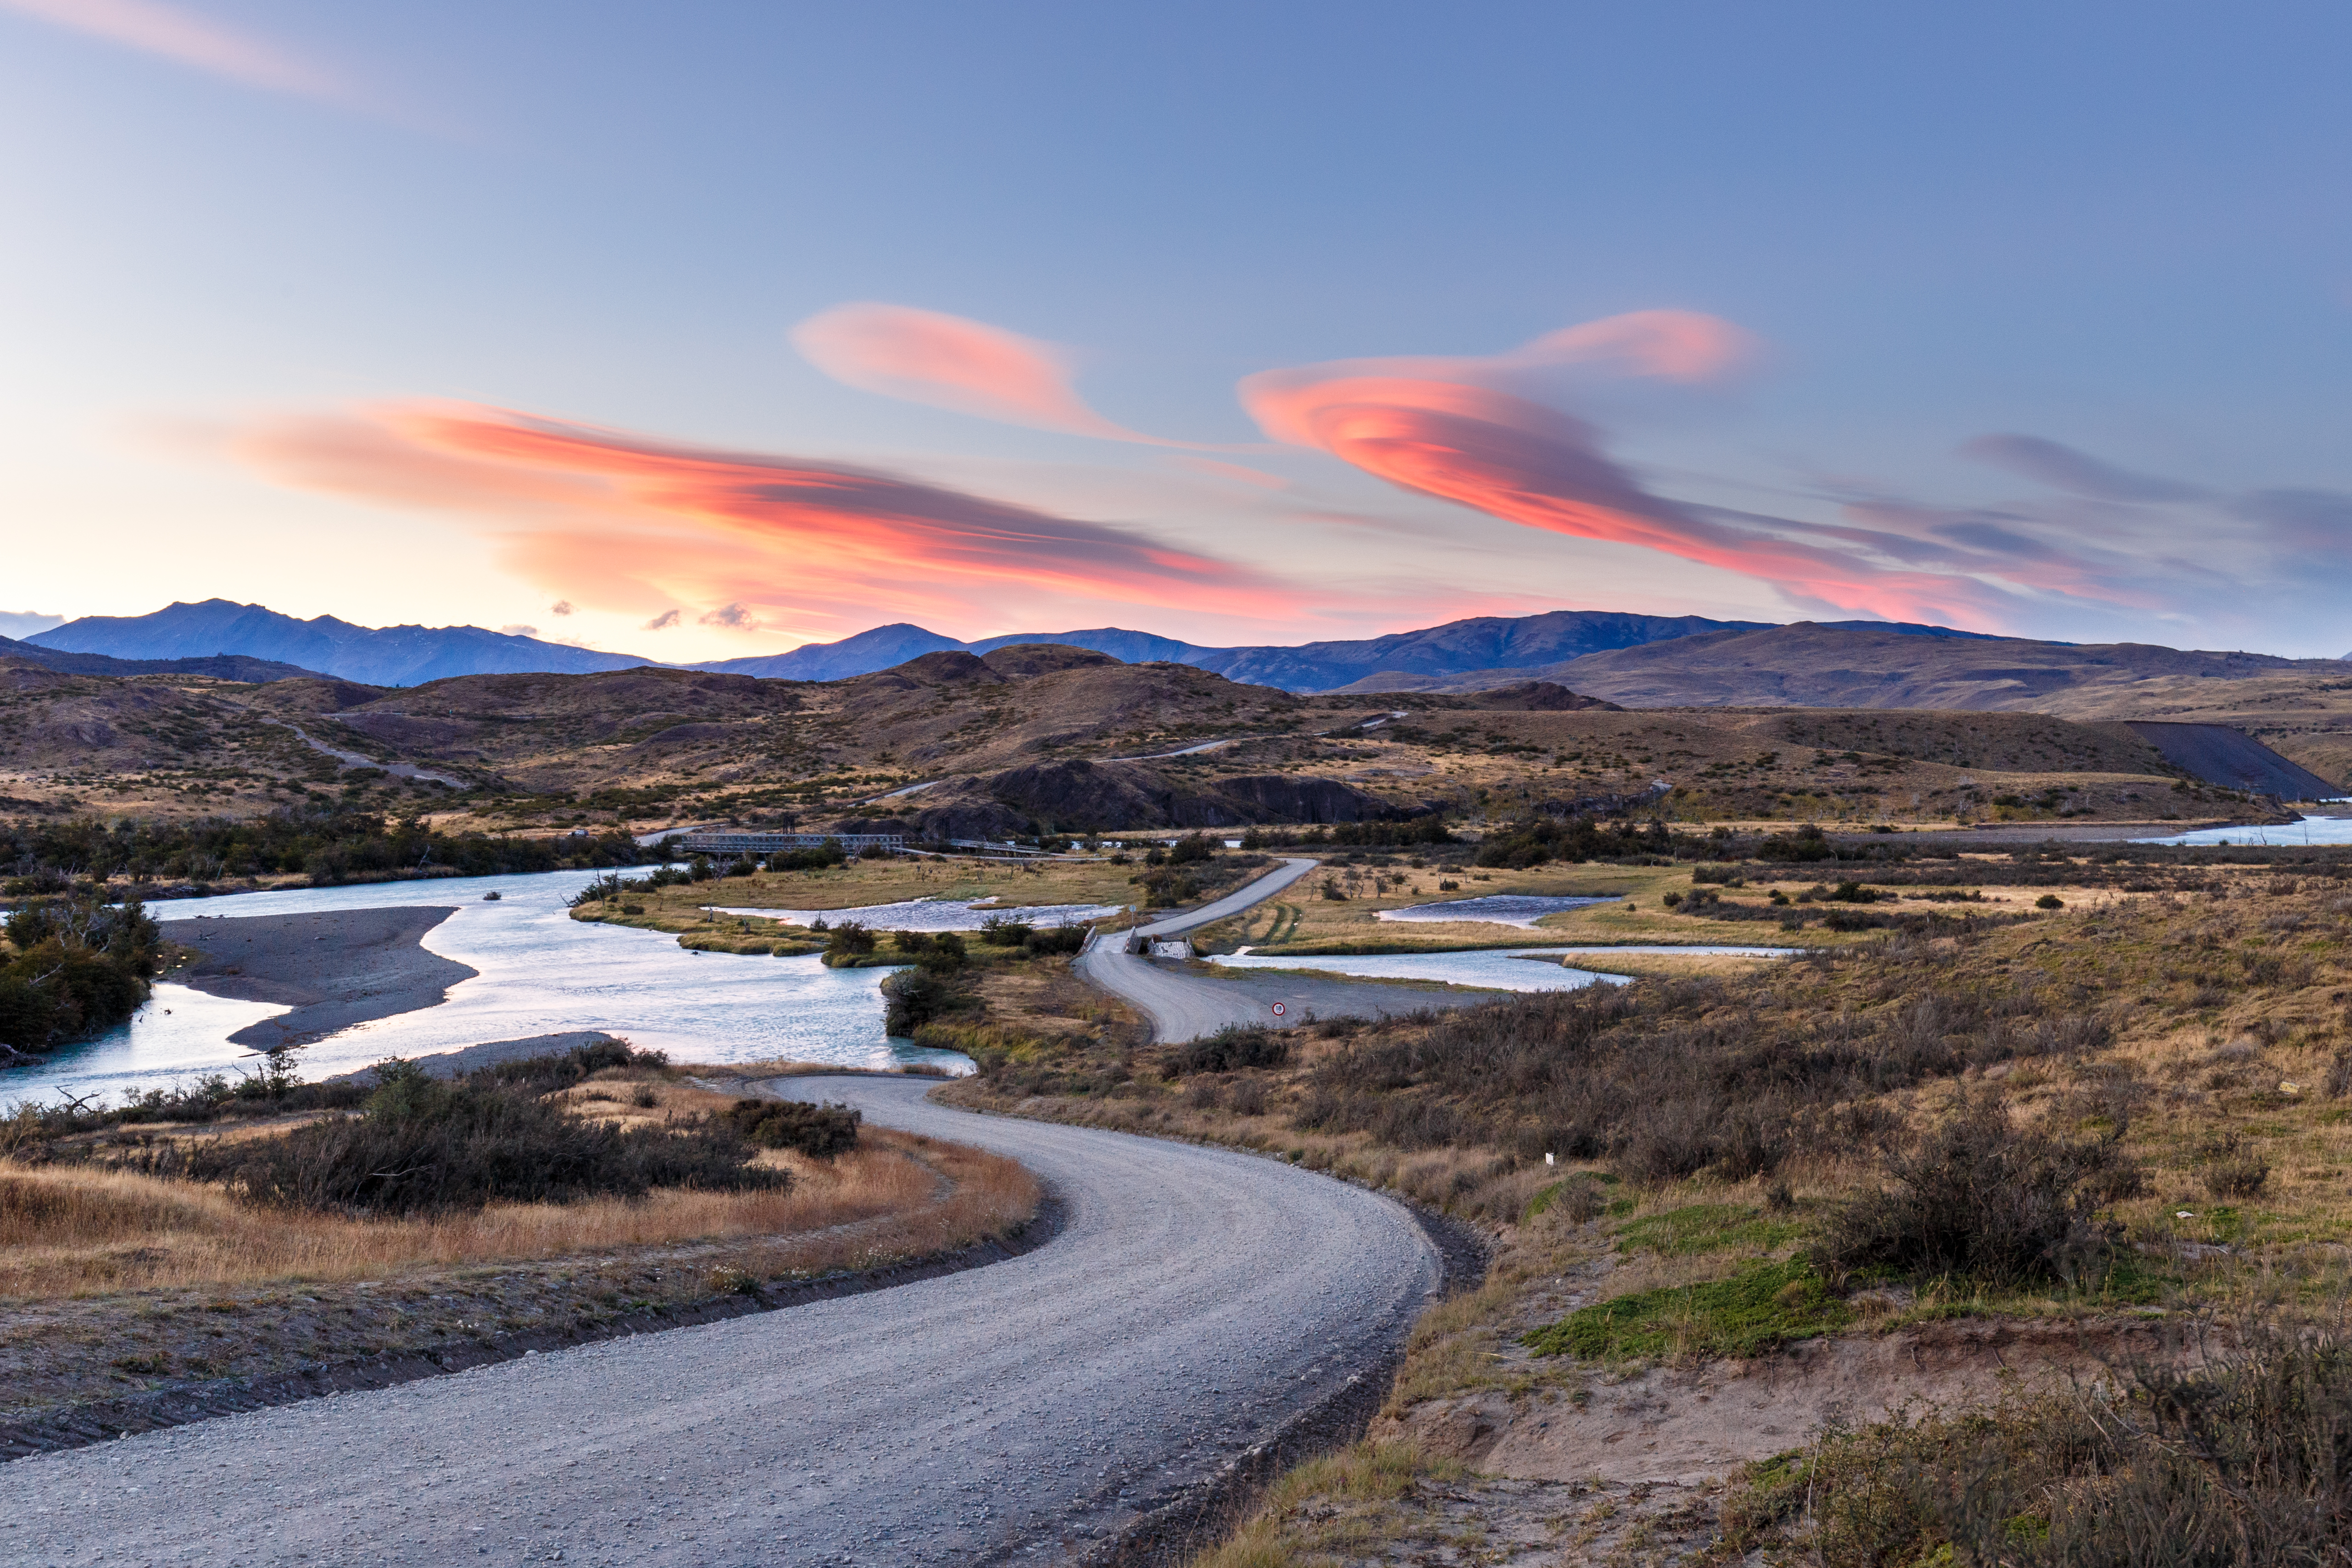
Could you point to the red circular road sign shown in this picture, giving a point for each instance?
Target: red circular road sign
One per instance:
(1277, 1009)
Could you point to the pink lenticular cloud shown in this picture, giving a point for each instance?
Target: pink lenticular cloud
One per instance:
(1459, 429)
(605, 516)
(1681, 346)
(954, 363)
(174, 33)
(1527, 464)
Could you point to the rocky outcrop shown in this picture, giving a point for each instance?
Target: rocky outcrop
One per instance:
(1541, 697)
(1080, 795)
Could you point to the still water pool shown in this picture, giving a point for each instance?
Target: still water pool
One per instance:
(1502, 969)
(540, 973)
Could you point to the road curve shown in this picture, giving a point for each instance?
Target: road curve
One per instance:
(1194, 1298)
(1186, 1006)
(1179, 1006)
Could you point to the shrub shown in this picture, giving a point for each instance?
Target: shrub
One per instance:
(422, 1146)
(1191, 850)
(1055, 940)
(2049, 901)
(1981, 1198)
(1231, 1047)
(846, 942)
(1000, 931)
(914, 997)
(2234, 1463)
(2233, 1171)
(820, 1131)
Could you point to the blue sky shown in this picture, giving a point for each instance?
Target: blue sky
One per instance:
(2024, 318)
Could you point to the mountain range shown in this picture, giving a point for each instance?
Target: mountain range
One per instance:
(386, 656)
(413, 654)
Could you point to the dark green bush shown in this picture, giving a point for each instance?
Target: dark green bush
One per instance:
(78, 968)
(846, 942)
(914, 997)
(1191, 850)
(820, 1131)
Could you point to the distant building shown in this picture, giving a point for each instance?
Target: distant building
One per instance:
(755, 843)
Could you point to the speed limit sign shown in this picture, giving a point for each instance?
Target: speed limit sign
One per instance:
(1277, 1009)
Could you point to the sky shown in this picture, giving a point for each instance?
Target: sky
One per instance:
(705, 331)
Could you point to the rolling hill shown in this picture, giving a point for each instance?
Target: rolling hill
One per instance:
(1026, 738)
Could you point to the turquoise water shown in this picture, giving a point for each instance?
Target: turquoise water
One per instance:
(540, 973)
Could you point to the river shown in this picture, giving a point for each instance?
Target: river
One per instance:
(541, 973)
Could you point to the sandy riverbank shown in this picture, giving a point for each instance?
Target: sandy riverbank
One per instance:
(334, 968)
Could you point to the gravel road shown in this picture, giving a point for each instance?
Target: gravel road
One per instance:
(1183, 1006)
(1195, 1299)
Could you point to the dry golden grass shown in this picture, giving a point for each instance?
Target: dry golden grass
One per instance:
(78, 1230)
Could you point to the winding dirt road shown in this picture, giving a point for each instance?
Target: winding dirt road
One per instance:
(1183, 1004)
(1195, 1299)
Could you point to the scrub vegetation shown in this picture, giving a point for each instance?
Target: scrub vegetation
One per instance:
(2129, 1110)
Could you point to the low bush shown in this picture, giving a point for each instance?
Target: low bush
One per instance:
(820, 1131)
(1231, 1047)
(1055, 940)
(423, 1146)
(938, 953)
(1981, 1198)
(2236, 1463)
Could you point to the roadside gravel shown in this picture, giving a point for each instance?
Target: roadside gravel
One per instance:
(1195, 1300)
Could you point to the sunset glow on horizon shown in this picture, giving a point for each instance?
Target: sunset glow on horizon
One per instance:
(745, 330)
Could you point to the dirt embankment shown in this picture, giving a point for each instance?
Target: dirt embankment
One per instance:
(335, 969)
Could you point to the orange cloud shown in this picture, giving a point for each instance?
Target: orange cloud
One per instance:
(1516, 459)
(155, 28)
(624, 521)
(952, 363)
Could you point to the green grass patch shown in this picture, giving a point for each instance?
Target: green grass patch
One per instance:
(1705, 1227)
(1760, 1307)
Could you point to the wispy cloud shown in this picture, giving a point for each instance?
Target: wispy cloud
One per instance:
(734, 617)
(660, 622)
(954, 363)
(625, 521)
(2078, 473)
(176, 34)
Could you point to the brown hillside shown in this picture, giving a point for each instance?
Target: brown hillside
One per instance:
(1059, 737)
(1810, 666)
